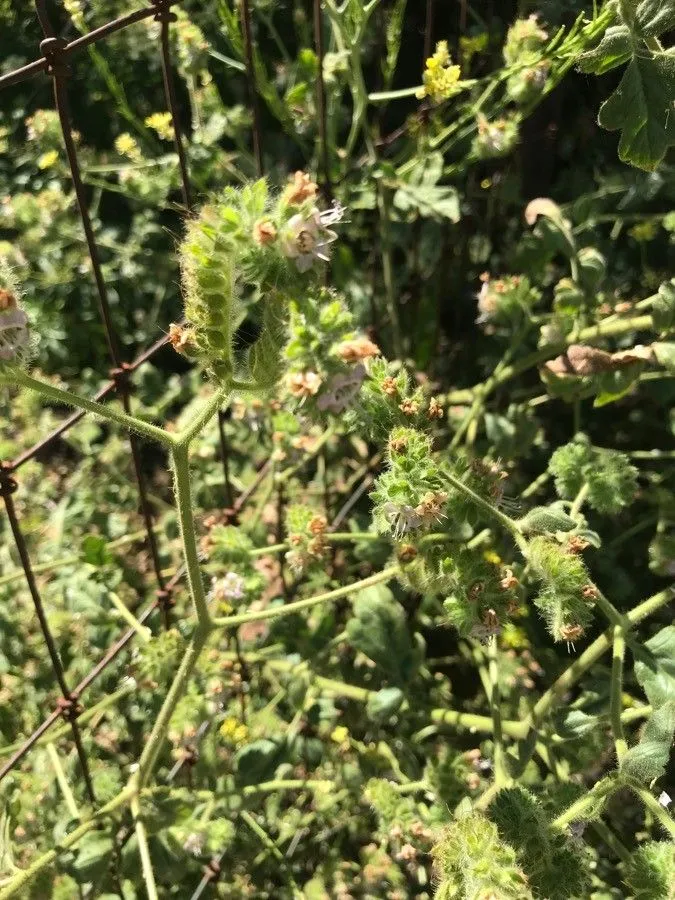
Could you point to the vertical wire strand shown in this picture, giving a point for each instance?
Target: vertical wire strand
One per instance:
(321, 99)
(428, 29)
(165, 17)
(253, 93)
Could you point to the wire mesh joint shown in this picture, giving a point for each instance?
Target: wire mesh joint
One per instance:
(69, 707)
(164, 12)
(54, 51)
(212, 870)
(121, 376)
(165, 599)
(8, 484)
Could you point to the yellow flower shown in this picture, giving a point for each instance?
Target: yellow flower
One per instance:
(440, 78)
(47, 160)
(340, 734)
(233, 731)
(492, 557)
(126, 145)
(161, 123)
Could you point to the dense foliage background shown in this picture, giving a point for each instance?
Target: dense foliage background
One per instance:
(339, 714)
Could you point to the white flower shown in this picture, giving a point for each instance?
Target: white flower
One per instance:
(665, 799)
(341, 390)
(14, 335)
(194, 843)
(307, 238)
(230, 587)
(402, 519)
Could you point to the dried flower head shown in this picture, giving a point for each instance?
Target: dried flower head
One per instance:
(435, 410)
(430, 507)
(409, 407)
(264, 232)
(357, 349)
(300, 188)
(571, 632)
(180, 338)
(318, 525)
(406, 553)
(304, 384)
(508, 581)
(389, 386)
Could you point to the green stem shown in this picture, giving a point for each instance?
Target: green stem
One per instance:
(207, 411)
(143, 632)
(473, 722)
(581, 808)
(616, 689)
(487, 507)
(388, 269)
(590, 335)
(553, 696)
(501, 772)
(144, 851)
(287, 609)
(655, 808)
(109, 413)
(62, 781)
(385, 96)
(579, 500)
(181, 468)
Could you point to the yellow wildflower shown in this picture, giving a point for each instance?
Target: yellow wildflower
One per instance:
(126, 145)
(47, 160)
(440, 78)
(161, 124)
(233, 731)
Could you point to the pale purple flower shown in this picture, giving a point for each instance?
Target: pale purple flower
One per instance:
(307, 238)
(341, 390)
(401, 517)
(230, 587)
(194, 844)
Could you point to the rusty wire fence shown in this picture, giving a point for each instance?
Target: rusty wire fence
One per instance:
(53, 62)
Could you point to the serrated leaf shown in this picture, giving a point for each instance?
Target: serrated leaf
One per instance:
(614, 49)
(93, 856)
(428, 201)
(655, 666)
(642, 109)
(574, 723)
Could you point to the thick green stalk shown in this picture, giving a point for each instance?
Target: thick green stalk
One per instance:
(144, 851)
(207, 411)
(287, 609)
(109, 413)
(616, 689)
(488, 508)
(181, 468)
(500, 769)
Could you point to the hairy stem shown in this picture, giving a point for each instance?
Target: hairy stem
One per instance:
(181, 468)
(62, 781)
(144, 851)
(287, 609)
(109, 413)
(616, 687)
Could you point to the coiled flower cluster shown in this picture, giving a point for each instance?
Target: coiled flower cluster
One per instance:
(248, 254)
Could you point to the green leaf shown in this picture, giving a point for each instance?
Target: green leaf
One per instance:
(379, 630)
(546, 519)
(614, 49)
(655, 671)
(654, 17)
(94, 550)
(665, 355)
(93, 857)
(642, 109)
(648, 759)
(663, 309)
(426, 198)
(257, 761)
(384, 704)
